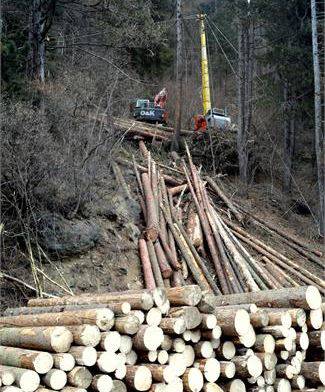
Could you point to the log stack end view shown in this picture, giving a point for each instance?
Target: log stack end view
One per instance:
(187, 339)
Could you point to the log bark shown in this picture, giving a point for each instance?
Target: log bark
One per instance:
(39, 361)
(225, 199)
(152, 229)
(164, 266)
(148, 275)
(305, 297)
(85, 335)
(138, 377)
(187, 295)
(155, 265)
(53, 339)
(137, 299)
(103, 318)
(80, 377)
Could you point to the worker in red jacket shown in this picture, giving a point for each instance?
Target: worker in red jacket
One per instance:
(200, 123)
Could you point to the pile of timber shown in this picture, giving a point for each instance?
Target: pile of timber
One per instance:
(189, 238)
(175, 339)
(140, 129)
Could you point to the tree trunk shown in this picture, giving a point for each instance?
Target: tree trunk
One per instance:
(179, 78)
(289, 137)
(245, 92)
(319, 135)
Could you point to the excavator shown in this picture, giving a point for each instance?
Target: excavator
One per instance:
(151, 111)
(212, 118)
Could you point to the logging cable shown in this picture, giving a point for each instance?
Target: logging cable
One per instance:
(220, 46)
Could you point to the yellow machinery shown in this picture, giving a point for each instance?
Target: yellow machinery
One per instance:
(212, 117)
(204, 68)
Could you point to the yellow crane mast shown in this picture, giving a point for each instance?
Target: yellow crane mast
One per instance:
(204, 68)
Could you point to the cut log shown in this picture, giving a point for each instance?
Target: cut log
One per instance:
(148, 338)
(85, 335)
(149, 280)
(190, 314)
(7, 377)
(187, 295)
(298, 382)
(269, 360)
(153, 317)
(131, 358)
(102, 383)
(264, 343)
(248, 367)
(176, 361)
(128, 325)
(110, 341)
(138, 377)
(54, 339)
(164, 266)
(269, 376)
(282, 385)
(315, 320)
(103, 318)
(137, 299)
(227, 350)
(225, 199)
(233, 322)
(152, 228)
(155, 264)
(227, 369)
(126, 344)
(193, 380)
(39, 361)
(194, 229)
(118, 386)
(107, 361)
(25, 379)
(203, 349)
(84, 356)
(210, 368)
(162, 373)
(139, 314)
(162, 357)
(55, 379)
(188, 355)
(64, 361)
(80, 377)
(234, 386)
(209, 321)
(305, 297)
(314, 371)
(173, 325)
(178, 345)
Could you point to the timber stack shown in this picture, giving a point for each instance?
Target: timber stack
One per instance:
(166, 339)
(193, 233)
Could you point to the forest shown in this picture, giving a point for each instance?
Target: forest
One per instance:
(64, 62)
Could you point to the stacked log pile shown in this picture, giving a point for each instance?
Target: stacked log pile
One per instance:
(140, 129)
(190, 238)
(175, 339)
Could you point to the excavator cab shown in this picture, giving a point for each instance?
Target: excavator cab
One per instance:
(151, 111)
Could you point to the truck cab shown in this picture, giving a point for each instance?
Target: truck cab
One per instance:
(218, 118)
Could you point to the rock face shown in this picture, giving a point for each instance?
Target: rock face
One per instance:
(67, 237)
